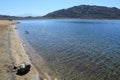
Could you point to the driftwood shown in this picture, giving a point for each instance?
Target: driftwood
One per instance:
(22, 68)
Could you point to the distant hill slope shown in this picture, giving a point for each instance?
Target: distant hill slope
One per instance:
(8, 17)
(86, 12)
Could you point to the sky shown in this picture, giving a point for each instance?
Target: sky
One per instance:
(42, 7)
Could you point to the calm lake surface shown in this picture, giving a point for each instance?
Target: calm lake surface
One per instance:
(76, 49)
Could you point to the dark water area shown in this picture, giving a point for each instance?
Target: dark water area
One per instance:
(76, 49)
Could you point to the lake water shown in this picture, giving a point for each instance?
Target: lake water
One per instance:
(76, 49)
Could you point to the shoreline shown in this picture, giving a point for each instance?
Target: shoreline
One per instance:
(40, 64)
(14, 52)
(21, 56)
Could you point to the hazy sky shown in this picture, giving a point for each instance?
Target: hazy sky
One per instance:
(42, 7)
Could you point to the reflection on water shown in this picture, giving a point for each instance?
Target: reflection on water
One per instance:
(77, 49)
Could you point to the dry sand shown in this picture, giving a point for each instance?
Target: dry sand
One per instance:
(12, 52)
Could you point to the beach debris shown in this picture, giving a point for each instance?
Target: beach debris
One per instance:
(26, 32)
(15, 67)
(22, 68)
(15, 28)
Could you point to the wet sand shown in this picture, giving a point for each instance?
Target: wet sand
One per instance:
(12, 52)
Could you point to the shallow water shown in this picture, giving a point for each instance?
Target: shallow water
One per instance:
(76, 49)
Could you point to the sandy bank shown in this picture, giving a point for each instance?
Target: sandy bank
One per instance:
(12, 52)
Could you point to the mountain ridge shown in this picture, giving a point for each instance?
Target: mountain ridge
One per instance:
(86, 12)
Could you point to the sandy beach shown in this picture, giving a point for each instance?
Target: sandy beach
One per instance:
(12, 52)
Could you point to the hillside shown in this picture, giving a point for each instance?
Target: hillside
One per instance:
(86, 12)
(8, 17)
